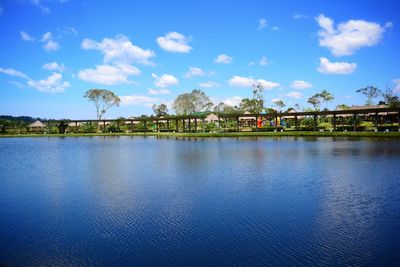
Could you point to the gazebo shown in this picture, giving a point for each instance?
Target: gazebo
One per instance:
(37, 126)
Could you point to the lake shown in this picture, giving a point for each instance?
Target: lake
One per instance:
(148, 201)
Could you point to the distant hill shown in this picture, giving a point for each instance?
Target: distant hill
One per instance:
(25, 119)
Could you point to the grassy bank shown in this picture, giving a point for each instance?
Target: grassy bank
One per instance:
(222, 134)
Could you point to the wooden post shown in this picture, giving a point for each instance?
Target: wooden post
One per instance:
(183, 125)
(354, 122)
(104, 126)
(296, 121)
(276, 122)
(195, 125)
(237, 124)
(167, 125)
(176, 125)
(157, 128)
(204, 125)
(398, 121)
(76, 127)
(315, 122)
(376, 121)
(145, 126)
(334, 122)
(190, 130)
(132, 125)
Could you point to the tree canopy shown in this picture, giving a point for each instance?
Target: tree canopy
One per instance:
(188, 103)
(160, 110)
(103, 100)
(370, 92)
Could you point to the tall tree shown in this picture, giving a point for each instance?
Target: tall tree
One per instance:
(196, 101)
(342, 106)
(370, 92)
(315, 100)
(326, 96)
(160, 110)
(279, 104)
(103, 100)
(390, 99)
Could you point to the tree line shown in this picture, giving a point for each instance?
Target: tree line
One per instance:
(198, 101)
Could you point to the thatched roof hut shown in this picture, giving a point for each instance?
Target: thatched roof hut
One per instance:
(37, 125)
(211, 118)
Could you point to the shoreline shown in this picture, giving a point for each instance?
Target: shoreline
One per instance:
(220, 134)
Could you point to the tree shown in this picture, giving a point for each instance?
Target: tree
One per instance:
(160, 110)
(342, 107)
(317, 99)
(103, 100)
(390, 99)
(370, 92)
(225, 108)
(279, 104)
(188, 103)
(254, 105)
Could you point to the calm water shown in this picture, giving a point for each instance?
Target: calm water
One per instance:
(199, 202)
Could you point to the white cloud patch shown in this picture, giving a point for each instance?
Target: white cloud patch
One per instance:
(328, 67)
(349, 36)
(223, 59)
(164, 80)
(297, 15)
(294, 94)
(209, 84)
(275, 28)
(26, 37)
(53, 84)
(54, 66)
(13, 72)
(50, 45)
(138, 100)
(109, 74)
(396, 85)
(158, 91)
(194, 71)
(119, 50)
(174, 42)
(240, 81)
(299, 84)
(262, 23)
(274, 100)
(39, 4)
(233, 101)
(263, 61)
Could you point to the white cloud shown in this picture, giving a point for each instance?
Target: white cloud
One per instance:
(209, 84)
(13, 72)
(249, 82)
(164, 80)
(275, 28)
(328, 67)
(262, 23)
(267, 85)
(233, 101)
(194, 71)
(137, 100)
(240, 81)
(251, 63)
(174, 42)
(263, 61)
(158, 91)
(389, 24)
(297, 15)
(396, 85)
(54, 66)
(38, 3)
(274, 100)
(50, 45)
(119, 50)
(299, 84)
(224, 59)
(296, 95)
(349, 36)
(26, 37)
(53, 84)
(109, 74)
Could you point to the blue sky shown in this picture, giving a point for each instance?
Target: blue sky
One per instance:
(147, 52)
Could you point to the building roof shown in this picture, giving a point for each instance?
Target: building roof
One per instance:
(37, 124)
